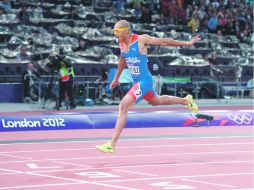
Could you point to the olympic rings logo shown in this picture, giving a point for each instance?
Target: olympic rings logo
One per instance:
(239, 118)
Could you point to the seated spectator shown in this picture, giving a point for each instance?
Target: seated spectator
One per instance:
(137, 5)
(119, 6)
(23, 55)
(146, 16)
(213, 60)
(31, 45)
(23, 16)
(2, 11)
(74, 13)
(6, 5)
(219, 36)
(82, 46)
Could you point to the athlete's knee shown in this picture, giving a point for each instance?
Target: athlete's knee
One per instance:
(123, 108)
(154, 103)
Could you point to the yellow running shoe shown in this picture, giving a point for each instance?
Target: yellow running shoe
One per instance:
(107, 148)
(191, 104)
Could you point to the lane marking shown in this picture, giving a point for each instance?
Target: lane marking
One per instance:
(115, 186)
(35, 166)
(16, 156)
(81, 181)
(73, 164)
(144, 165)
(8, 173)
(124, 138)
(209, 183)
(175, 177)
(124, 156)
(139, 173)
(56, 177)
(12, 171)
(132, 147)
(44, 185)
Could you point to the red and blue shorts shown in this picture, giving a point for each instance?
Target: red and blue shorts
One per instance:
(142, 90)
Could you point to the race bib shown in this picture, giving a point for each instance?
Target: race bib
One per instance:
(134, 70)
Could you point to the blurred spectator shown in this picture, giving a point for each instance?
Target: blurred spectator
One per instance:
(230, 27)
(212, 24)
(146, 15)
(74, 13)
(28, 79)
(2, 11)
(194, 23)
(23, 55)
(137, 5)
(213, 60)
(54, 39)
(31, 45)
(82, 45)
(189, 11)
(219, 36)
(23, 16)
(164, 7)
(119, 6)
(6, 5)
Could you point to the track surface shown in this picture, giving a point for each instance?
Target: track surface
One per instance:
(205, 158)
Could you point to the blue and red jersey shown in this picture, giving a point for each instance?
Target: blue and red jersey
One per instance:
(137, 64)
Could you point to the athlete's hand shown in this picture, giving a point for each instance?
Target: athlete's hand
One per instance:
(114, 83)
(195, 39)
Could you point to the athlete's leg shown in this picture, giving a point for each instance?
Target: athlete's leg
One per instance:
(125, 105)
(167, 100)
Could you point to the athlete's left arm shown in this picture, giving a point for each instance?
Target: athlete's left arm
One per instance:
(149, 40)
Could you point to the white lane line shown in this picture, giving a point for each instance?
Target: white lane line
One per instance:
(174, 177)
(73, 164)
(8, 173)
(209, 183)
(145, 165)
(132, 139)
(11, 171)
(124, 156)
(43, 185)
(139, 173)
(131, 147)
(114, 186)
(81, 181)
(56, 177)
(16, 156)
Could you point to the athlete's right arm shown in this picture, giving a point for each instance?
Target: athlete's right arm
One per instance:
(121, 66)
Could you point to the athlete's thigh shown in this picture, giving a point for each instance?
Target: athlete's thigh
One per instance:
(154, 100)
(127, 102)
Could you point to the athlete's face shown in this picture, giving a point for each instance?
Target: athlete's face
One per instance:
(120, 32)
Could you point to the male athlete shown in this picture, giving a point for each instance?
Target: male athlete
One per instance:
(134, 54)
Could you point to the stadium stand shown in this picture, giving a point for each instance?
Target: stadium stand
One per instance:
(33, 31)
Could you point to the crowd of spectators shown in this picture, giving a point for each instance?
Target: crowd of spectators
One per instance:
(221, 17)
(229, 17)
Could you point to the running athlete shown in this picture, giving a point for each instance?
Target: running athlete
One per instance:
(134, 54)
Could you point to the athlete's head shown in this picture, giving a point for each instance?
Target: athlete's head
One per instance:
(122, 30)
